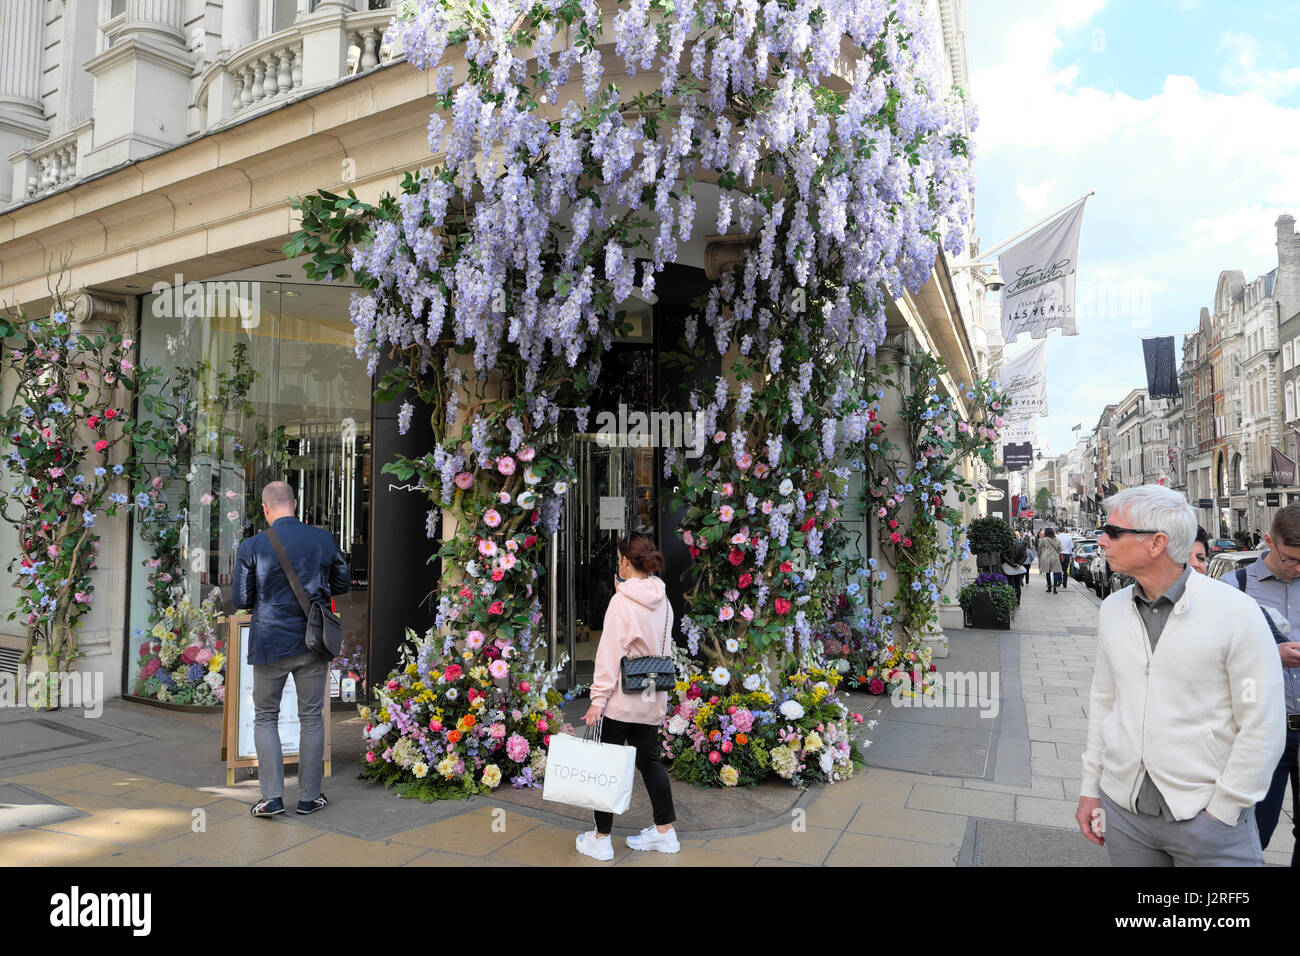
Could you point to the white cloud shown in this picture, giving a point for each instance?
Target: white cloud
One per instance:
(1035, 197)
(1242, 70)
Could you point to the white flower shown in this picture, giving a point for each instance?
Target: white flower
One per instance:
(786, 486)
(531, 477)
(842, 666)
(792, 710)
(733, 645)
(826, 761)
(525, 500)
(721, 675)
(472, 569)
(561, 487)
(377, 732)
(677, 725)
(753, 682)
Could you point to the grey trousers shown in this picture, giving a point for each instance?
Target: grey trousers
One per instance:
(309, 676)
(1140, 839)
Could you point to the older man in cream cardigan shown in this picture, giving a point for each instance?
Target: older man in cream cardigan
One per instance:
(1185, 718)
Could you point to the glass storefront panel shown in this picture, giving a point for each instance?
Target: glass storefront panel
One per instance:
(262, 385)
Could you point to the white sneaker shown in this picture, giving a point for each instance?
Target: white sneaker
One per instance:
(591, 845)
(651, 839)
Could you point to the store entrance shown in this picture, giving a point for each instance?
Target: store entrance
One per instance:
(614, 493)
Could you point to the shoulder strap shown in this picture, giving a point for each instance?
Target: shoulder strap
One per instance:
(289, 572)
(1241, 579)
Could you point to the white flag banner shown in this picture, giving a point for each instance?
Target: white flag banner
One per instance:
(1039, 275)
(1024, 378)
(1017, 430)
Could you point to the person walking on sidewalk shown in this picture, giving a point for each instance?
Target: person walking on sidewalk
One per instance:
(1274, 582)
(1015, 567)
(1185, 714)
(637, 619)
(1028, 540)
(1049, 559)
(1065, 541)
(277, 645)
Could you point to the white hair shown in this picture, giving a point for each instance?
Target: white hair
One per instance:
(1159, 509)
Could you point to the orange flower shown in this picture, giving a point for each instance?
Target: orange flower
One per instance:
(453, 736)
(466, 722)
(742, 739)
(715, 734)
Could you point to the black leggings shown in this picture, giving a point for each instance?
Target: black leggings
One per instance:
(645, 738)
(1016, 580)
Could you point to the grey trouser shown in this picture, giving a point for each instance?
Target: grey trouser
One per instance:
(309, 675)
(1140, 839)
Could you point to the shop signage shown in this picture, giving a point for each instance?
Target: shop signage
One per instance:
(1283, 469)
(1205, 502)
(238, 748)
(1273, 499)
(613, 513)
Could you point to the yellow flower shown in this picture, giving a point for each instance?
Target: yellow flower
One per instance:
(447, 766)
(215, 662)
(364, 714)
(813, 741)
(420, 769)
(383, 715)
(412, 669)
(682, 687)
(492, 775)
(729, 776)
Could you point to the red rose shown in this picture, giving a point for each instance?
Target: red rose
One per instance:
(746, 580)
(933, 668)
(466, 593)
(787, 566)
(877, 428)
(101, 446)
(452, 672)
(498, 607)
(110, 414)
(498, 574)
(695, 552)
(92, 421)
(907, 542)
(782, 605)
(530, 541)
(808, 525)
(536, 517)
(877, 686)
(895, 537)
(871, 416)
(808, 496)
(892, 524)
(736, 557)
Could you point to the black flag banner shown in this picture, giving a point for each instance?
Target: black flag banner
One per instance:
(1018, 455)
(1162, 370)
(1283, 470)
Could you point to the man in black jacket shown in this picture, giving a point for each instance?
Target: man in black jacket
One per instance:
(277, 644)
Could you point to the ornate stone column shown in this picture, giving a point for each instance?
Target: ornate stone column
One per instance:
(159, 18)
(22, 119)
(238, 24)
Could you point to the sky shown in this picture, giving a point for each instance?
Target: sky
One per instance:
(1183, 115)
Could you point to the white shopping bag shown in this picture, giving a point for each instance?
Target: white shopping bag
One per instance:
(587, 773)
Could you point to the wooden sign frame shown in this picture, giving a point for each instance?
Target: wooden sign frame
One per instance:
(230, 712)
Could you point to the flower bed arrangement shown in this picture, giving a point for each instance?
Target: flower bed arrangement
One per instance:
(446, 726)
(183, 660)
(497, 286)
(799, 730)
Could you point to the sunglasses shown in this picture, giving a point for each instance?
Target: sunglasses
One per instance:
(1114, 530)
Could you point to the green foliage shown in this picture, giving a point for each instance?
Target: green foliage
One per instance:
(990, 535)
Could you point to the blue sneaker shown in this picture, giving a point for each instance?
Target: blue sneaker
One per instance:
(268, 808)
(311, 806)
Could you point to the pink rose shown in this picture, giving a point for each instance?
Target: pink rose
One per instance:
(715, 757)
(517, 748)
(370, 756)
(506, 465)
(464, 481)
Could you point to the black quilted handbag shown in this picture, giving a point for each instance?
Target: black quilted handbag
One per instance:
(637, 672)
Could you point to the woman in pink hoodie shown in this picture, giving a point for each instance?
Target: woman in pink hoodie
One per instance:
(638, 623)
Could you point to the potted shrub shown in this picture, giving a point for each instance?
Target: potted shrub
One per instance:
(989, 602)
(989, 539)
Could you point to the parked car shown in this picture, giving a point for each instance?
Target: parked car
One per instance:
(1225, 563)
(1218, 545)
(1103, 580)
(1081, 561)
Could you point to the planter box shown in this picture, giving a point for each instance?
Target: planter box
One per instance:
(984, 614)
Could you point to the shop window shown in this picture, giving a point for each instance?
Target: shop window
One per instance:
(262, 385)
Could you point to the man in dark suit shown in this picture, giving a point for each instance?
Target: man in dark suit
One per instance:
(277, 644)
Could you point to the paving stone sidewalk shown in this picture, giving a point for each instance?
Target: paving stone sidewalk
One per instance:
(969, 786)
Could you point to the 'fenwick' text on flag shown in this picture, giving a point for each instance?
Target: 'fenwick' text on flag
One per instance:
(1039, 273)
(1024, 378)
(1162, 369)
